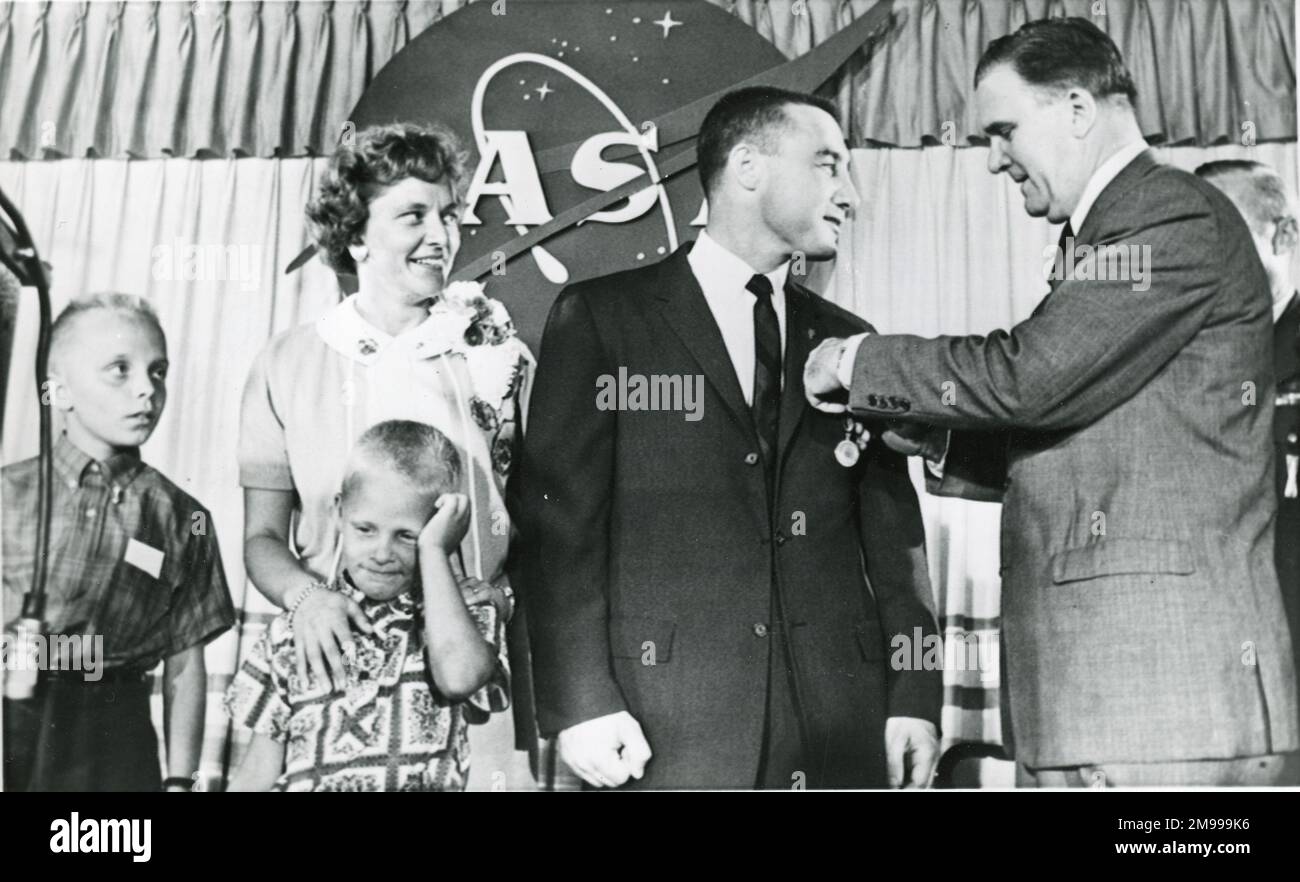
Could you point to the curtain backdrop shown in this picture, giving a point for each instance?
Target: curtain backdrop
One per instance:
(940, 246)
(279, 79)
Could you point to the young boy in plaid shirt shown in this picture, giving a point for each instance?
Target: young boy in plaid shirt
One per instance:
(134, 568)
(432, 664)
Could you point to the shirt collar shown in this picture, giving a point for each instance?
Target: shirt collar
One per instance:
(344, 330)
(402, 606)
(1101, 178)
(717, 268)
(73, 464)
(1280, 307)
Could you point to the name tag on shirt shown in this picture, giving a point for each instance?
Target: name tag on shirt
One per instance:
(144, 557)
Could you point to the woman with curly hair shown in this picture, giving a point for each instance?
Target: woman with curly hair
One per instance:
(403, 347)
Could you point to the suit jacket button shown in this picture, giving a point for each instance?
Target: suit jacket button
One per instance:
(780, 538)
(760, 630)
(751, 459)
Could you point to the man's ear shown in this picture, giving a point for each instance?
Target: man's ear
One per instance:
(1285, 236)
(1083, 111)
(745, 163)
(337, 509)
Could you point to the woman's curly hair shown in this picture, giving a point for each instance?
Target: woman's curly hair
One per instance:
(380, 156)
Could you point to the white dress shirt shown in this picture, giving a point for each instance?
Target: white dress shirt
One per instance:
(1101, 178)
(722, 277)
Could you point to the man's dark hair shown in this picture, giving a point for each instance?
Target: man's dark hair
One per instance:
(1060, 54)
(755, 114)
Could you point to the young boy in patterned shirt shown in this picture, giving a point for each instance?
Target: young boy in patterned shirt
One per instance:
(432, 665)
(134, 571)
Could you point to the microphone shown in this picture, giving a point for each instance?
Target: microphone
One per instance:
(19, 258)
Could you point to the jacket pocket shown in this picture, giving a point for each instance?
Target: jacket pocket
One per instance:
(1114, 557)
(641, 637)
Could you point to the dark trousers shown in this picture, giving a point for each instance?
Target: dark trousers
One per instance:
(79, 736)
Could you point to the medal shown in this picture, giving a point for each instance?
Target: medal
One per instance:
(1292, 466)
(846, 453)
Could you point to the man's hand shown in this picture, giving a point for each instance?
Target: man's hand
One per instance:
(322, 633)
(911, 750)
(606, 751)
(821, 384)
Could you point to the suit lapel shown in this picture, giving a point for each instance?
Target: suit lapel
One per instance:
(1128, 176)
(687, 313)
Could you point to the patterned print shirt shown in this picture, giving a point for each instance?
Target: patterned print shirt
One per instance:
(390, 729)
(133, 558)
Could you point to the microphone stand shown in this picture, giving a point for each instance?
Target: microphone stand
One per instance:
(20, 257)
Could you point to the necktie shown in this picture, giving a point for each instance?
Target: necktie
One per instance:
(1064, 247)
(1061, 267)
(766, 405)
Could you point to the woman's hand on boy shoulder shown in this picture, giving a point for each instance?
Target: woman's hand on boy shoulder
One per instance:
(474, 591)
(444, 531)
(322, 633)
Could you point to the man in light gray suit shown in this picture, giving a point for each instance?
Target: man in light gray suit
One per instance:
(1126, 427)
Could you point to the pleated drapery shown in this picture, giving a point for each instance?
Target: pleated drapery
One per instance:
(151, 79)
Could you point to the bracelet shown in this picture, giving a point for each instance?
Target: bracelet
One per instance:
(307, 590)
(186, 782)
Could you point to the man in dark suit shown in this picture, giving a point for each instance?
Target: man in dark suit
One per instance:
(1126, 428)
(711, 594)
(1261, 197)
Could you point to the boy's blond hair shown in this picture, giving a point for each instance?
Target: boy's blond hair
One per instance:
(109, 300)
(416, 451)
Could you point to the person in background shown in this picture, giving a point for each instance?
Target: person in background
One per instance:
(1261, 197)
(134, 572)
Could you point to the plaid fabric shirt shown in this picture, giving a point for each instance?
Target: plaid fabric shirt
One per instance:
(133, 558)
(390, 729)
